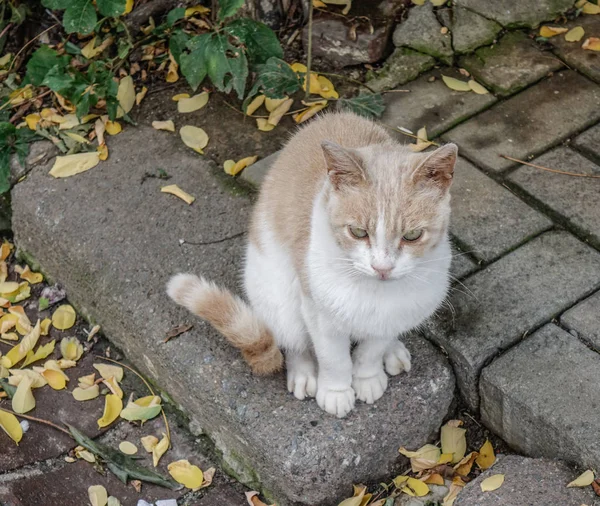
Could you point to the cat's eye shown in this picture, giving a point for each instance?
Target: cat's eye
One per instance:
(413, 235)
(359, 233)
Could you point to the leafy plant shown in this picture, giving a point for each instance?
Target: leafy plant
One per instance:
(80, 16)
(12, 140)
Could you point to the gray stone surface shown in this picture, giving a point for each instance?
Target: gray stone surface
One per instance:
(39, 153)
(402, 66)
(575, 199)
(512, 13)
(527, 482)
(432, 105)
(587, 62)
(471, 30)
(510, 65)
(530, 122)
(519, 292)
(462, 265)
(588, 142)
(486, 217)
(255, 174)
(584, 320)
(114, 242)
(542, 397)
(421, 31)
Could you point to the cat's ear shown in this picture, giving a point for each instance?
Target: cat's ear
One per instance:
(344, 166)
(438, 167)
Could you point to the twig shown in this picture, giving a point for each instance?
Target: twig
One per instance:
(147, 386)
(39, 420)
(410, 135)
(6, 29)
(29, 43)
(395, 91)
(309, 51)
(349, 79)
(32, 99)
(556, 171)
(20, 112)
(7, 342)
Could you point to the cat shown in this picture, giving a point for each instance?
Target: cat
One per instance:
(348, 243)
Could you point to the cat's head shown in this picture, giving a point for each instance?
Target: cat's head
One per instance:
(388, 207)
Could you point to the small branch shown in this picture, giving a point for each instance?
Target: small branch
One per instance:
(410, 135)
(38, 420)
(216, 241)
(556, 171)
(395, 91)
(6, 29)
(309, 50)
(29, 43)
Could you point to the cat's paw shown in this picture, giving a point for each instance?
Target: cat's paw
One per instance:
(336, 402)
(301, 378)
(371, 388)
(397, 359)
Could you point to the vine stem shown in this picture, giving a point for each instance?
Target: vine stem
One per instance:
(309, 50)
(39, 420)
(147, 386)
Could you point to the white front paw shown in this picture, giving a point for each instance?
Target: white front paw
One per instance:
(302, 379)
(336, 402)
(397, 359)
(371, 388)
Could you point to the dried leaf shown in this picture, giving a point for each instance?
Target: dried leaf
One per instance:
(592, 44)
(40, 354)
(237, 167)
(456, 84)
(173, 189)
(97, 495)
(10, 424)
(5, 250)
(188, 475)
(64, 317)
(149, 442)
(125, 96)
(71, 348)
(551, 31)
(209, 475)
(86, 394)
(168, 125)
(107, 371)
(438, 3)
(356, 499)
(196, 9)
(17, 375)
(590, 8)
(452, 495)
(477, 88)
(263, 125)
(159, 449)
(424, 458)
(32, 120)
(422, 141)
(113, 127)
(463, 468)
(194, 137)
(87, 381)
(273, 103)
(255, 104)
(112, 500)
(18, 353)
(172, 74)
(486, 457)
(140, 95)
(346, 3)
(181, 329)
(55, 379)
(32, 277)
(277, 114)
(11, 336)
(113, 386)
(575, 34)
(308, 113)
(180, 96)
(23, 400)
(112, 408)
(453, 441)
(583, 480)
(144, 408)
(493, 483)
(327, 90)
(192, 104)
(69, 165)
(435, 479)
(414, 487)
(128, 448)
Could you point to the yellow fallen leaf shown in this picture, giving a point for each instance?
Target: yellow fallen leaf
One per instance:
(7, 322)
(193, 103)
(194, 137)
(456, 84)
(196, 9)
(125, 96)
(592, 44)
(315, 85)
(108, 371)
(463, 467)
(173, 189)
(149, 443)
(486, 457)
(239, 166)
(128, 448)
(113, 386)
(273, 103)
(453, 440)
(492, 483)
(263, 125)
(64, 317)
(477, 88)
(180, 96)
(425, 457)
(100, 128)
(209, 475)
(318, 4)
(10, 425)
(33, 277)
(5, 250)
(4, 60)
(172, 74)
(277, 114)
(144, 408)
(71, 348)
(590, 8)
(22, 293)
(422, 141)
(583, 480)
(452, 494)
(87, 381)
(88, 50)
(128, 9)
(435, 479)
(551, 31)
(45, 326)
(86, 394)
(10, 336)
(188, 475)
(17, 375)
(327, 90)
(40, 354)
(69, 165)
(228, 165)
(102, 150)
(8, 287)
(438, 3)
(346, 3)
(414, 487)
(168, 125)
(308, 113)
(55, 379)
(113, 127)
(255, 104)
(159, 449)
(112, 408)
(140, 95)
(23, 400)
(575, 34)
(18, 353)
(65, 364)
(32, 120)
(82, 453)
(98, 495)
(93, 332)
(355, 500)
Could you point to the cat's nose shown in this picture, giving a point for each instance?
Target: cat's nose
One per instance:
(383, 270)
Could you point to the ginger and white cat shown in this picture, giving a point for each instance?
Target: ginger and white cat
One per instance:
(348, 244)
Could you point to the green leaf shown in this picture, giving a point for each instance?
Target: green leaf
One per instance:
(175, 15)
(4, 169)
(9, 389)
(177, 43)
(370, 105)
(56, 5)
(228, 8)
(80, 17)
(43, 303)
(277, 79)
(41, 62)
(193, 67)
(260, 41)
(111, 8)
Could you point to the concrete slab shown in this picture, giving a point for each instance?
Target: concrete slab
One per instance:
(582, 320)
(432, 105)
(512, 64)
(531, 482)
(114, 242)
(519, 292)
(587, 143)
(471, 30)
(564, 104)
(402, 66)
(575, 199)
(542, 397)
(255, 174)
(486, 217)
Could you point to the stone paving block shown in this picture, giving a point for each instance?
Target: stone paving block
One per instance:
(255, 174)
(516, 13)
(530, 122)
(519, 292)
(114, 243)
(462, 265)
(432, 105)
(588, 142)
(587, 62)
(510, 65)
(402, 66)
(584, 321)
(574, 198)
(527, 482)
(542, 397)
(486, 217)
(471, 30)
